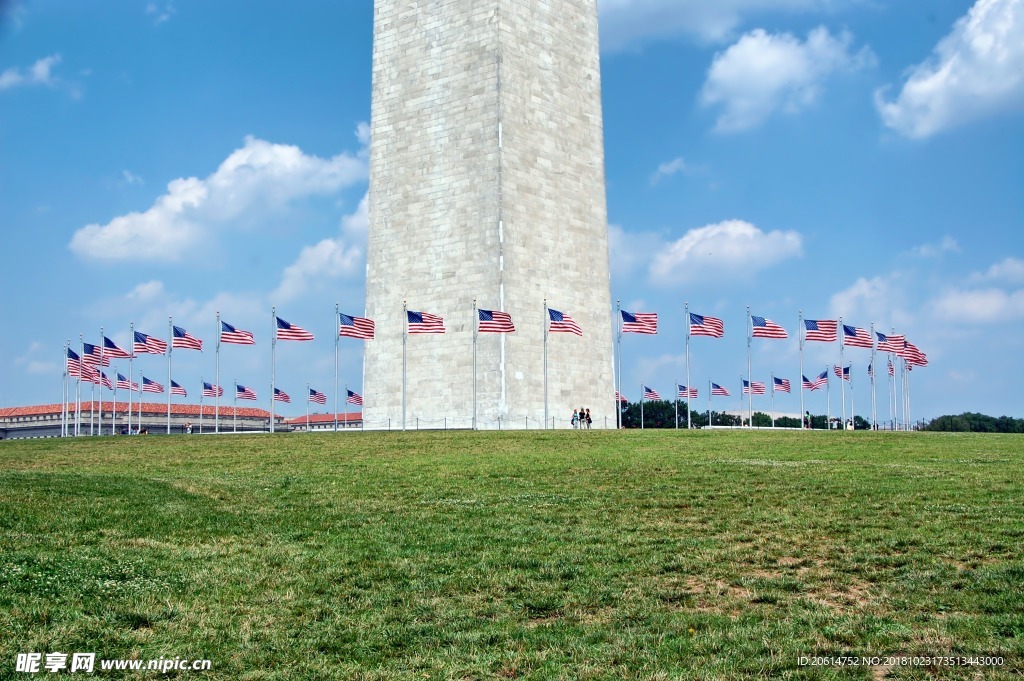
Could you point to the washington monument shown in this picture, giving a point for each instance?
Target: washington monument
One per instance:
(487, 185)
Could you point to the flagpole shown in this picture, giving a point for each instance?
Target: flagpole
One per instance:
(773, 399)
(337, 335)
(234, 407)
(709, 403)
(170, 348)
(64, 393)
(202, 390)
(139, 425)
(842, 371)
(909, 422)
(677, 402)
(750, 395)
(546, 315)
(273, 363)
(476, 326)
(874, 370)
(686, 308)
(641, 406)
(131, 358)
(828, 400)
(216, 391)
(801, 331)
(853, 411)
(346, 407)
(113, 417)
(307, 407)
(618, 364)
(92, 408)
(405, 342)
(889, 393)
(78, 390)
(99, 426)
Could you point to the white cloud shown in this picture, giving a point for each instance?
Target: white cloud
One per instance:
(253, 182)
(947, 245)
(128, 177)
(974, 72)
(328, 259)
(1010, 270)
(990, 305)
(626, 23)
(40, 73)
(881, 299)
(146, 291)
(160, 14)
(723, 250)
(630, 251)
(762, 73)
(668, 169)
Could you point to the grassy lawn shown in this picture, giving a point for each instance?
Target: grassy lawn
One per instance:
(595, 555)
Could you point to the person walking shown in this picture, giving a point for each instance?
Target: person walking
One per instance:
(589, 420)
(575, 419)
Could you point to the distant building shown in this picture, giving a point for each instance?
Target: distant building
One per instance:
(45, 420)
(325, 422)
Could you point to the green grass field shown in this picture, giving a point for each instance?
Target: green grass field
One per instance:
(593, 555)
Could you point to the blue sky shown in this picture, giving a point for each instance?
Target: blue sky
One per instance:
(862, 158)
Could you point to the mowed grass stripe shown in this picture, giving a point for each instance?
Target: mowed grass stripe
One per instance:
(638, 555)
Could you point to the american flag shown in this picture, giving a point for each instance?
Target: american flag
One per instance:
(183, 339)
(355, 398)
(423, 322)
(317, 396)
(892, 369)
(243, 393)
(77, 368)
(856, 338)
(124, 384)
(766, 328)
(818, 382)
(913, 355)
(651, 394)
(211, 390)
(620, 398)
(842, 372)
(781, 385)
(92, 355)
(823, 330)
(639, 322)
(281, 396)
(701, 325)
(149, 386)
(145, 344)
(718, 390)
(230, 334)
(286, 331)
(561, 322)
(755, 388)
(177, 389)
(355, 327)
(104, 380)
(492, 321)
(890, 342)
(110, 349)
(687, 393)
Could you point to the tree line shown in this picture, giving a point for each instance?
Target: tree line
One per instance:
(970, 422)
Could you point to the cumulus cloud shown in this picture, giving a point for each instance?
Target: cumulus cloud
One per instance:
(947, 245)
(626, 23)
(880, 299)
(40, 73)
(259, 178)
(726, 249)
(974, 72)
(1010, 271)
(989, 305)
(668, 169)
(146, 291)
(763, 73)
(329, 259)
(631, 251)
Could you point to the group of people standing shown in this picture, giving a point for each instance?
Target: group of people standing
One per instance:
(581, 418)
